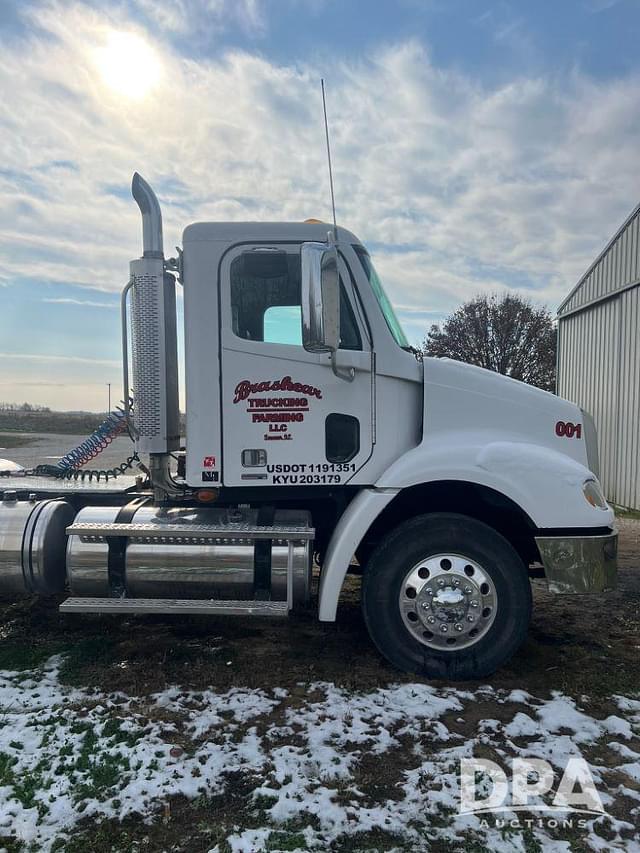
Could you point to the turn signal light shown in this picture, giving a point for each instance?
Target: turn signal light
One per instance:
(207, 496)
(593, 495)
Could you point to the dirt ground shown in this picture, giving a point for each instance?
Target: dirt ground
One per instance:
(577, 644)
(585, 647)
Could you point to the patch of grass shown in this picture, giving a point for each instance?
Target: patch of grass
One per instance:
(11, 845)
(283, 840)
(104, 774)
(531, 843)
(21, 656)
(113, 729)
(469, 845)
(6, 769)
(623, 512)
(27, 787)
(105, 837)
(263, 802)
(373, 841)
(10, 440)
(101, 771)
(177, 824)
(84, 657)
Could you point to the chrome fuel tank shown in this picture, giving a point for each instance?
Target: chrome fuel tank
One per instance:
(187, 570)
(32, 545)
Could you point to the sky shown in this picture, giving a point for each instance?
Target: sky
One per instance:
(477, 147)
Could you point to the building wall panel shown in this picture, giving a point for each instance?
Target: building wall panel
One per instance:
(588, 374)
(617, 267)
(599, 358)
(628, 426)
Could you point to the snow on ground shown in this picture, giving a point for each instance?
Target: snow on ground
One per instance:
(326, 760)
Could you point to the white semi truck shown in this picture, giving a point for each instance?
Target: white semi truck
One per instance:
(313, 430)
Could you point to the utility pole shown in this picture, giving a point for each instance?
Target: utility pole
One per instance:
(109, 387)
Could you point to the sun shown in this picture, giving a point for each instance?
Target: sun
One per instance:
(128, 64)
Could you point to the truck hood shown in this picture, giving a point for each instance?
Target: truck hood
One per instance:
(483, 428)
(458, 374)
(461, 396)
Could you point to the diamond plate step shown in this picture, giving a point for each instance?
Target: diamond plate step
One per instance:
(177, 605)
(201, 533)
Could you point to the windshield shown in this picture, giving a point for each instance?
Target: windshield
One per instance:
(383, 300)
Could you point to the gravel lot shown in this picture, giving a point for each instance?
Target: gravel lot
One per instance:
(33, 448)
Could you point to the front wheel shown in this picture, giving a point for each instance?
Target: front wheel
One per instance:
(446, 596)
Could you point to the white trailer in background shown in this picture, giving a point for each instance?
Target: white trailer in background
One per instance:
(313, 428)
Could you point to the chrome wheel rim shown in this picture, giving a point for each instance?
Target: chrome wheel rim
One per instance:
(448, 602)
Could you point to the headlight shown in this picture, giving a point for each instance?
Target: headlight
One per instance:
(593, 494)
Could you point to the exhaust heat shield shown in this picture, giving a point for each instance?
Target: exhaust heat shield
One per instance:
(153, 334)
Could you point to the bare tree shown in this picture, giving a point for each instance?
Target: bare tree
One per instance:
(505, 333)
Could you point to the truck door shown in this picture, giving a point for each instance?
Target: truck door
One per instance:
(287, 419)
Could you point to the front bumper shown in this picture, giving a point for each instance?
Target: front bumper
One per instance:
(579, 564)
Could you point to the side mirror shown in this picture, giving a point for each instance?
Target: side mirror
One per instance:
(320, 298)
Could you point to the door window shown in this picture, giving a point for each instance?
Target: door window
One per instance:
(266, 300)
(283, 325)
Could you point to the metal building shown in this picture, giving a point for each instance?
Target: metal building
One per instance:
(599, 358)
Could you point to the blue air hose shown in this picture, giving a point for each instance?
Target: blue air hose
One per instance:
(69, 467)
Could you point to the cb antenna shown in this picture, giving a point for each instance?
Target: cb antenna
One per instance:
(326, 131)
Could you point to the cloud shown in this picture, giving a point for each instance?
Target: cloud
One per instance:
(63, 359)
(461, 187)
(82, 302)
(203, 18)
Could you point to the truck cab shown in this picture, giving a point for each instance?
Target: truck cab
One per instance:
(287, 414)
(318, 442)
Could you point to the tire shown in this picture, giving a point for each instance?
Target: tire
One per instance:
(420, 612)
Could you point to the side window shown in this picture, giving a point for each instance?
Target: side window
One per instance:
(283, 325)
(265, 285)
(266, 300)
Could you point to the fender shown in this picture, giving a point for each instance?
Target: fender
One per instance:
(350, 530)
(544, 483)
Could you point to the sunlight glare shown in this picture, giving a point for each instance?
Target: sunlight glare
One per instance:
(128, 64)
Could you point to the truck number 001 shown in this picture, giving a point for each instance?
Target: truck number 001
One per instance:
(565, 429)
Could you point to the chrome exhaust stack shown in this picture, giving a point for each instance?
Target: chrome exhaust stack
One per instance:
(154, 348)
(149, 206)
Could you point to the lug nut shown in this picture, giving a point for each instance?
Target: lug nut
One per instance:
(474, 603)
(471, 618)
(431, 620)
(458, 627)
(456, 582)
(467, 590)
(443, 629)
(441, 583)
(425, 605)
